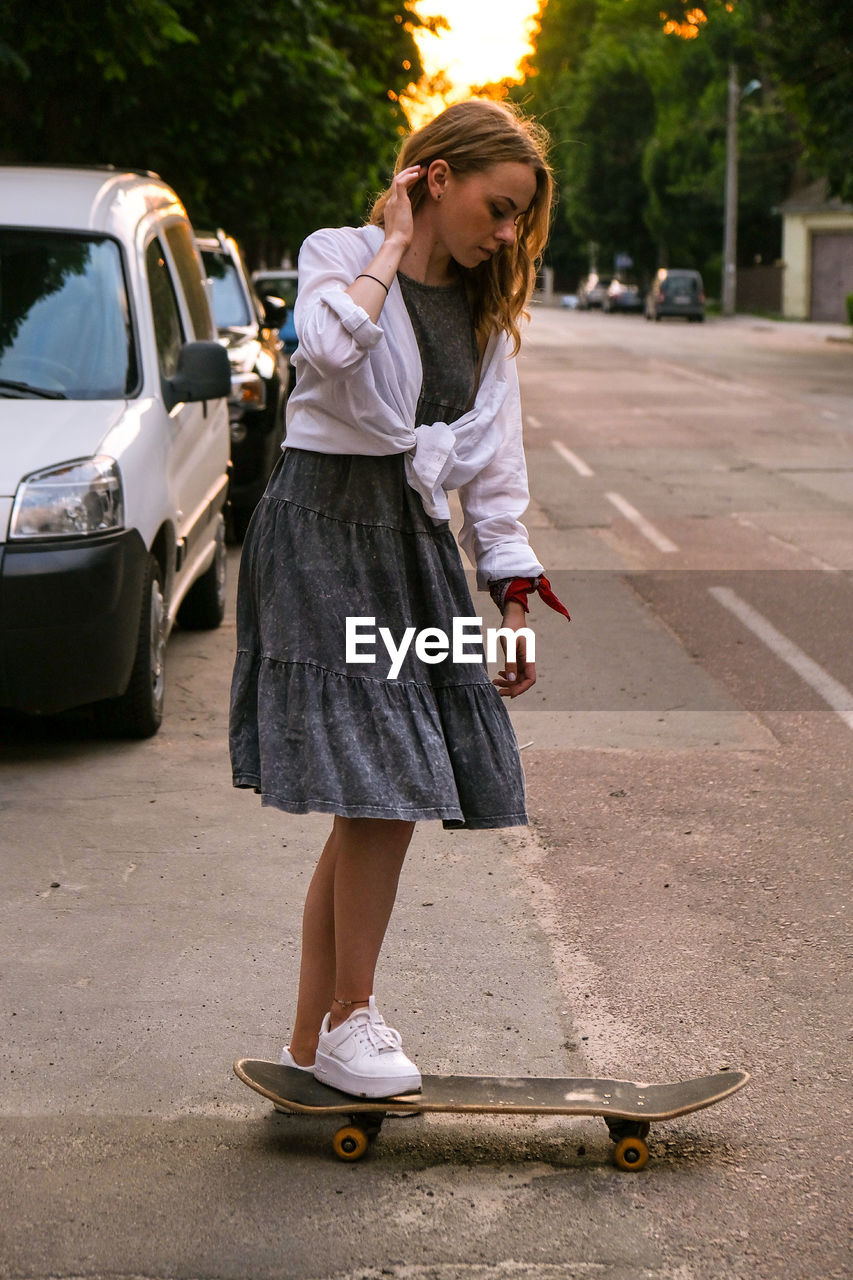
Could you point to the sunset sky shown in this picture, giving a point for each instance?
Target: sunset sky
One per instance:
(486, 41)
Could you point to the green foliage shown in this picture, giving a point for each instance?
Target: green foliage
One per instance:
(639, 126)
(848, 302)
(808, 49)
(685, 157)
(565, 30)
(804, 51)
(269, 119)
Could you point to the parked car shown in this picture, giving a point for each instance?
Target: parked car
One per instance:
(283, 284)
(260, 379)
(592, 291)
(622, 295)
(113, 442)
(676, 293)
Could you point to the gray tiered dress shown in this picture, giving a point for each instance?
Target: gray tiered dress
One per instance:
(338, 536)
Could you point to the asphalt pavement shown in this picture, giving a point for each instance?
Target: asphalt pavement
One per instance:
(677, 905)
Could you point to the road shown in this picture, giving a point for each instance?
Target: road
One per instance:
(677, 905)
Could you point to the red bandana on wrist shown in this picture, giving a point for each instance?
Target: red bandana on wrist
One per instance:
(520, 588)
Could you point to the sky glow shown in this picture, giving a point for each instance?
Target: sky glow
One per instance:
(486, 42)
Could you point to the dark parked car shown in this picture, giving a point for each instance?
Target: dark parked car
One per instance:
(622, 295)
(676, 292)
(592, 291)
(248, 328)
(282, 284)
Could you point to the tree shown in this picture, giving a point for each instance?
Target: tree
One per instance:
(685, 157)
(565, 27)
(609, 117)
(638, 116)
(808, 50)
(805, 52)
(270, 119)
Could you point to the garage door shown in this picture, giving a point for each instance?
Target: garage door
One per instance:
(832, 274)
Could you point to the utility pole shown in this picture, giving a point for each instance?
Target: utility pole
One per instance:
(730, 217)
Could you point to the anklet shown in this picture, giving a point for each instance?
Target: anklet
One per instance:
(347, 1004)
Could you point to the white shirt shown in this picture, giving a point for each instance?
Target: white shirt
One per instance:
(357, 390)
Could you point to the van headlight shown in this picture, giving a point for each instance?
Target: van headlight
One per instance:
(72, 500)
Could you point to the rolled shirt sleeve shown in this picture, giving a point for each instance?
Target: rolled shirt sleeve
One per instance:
(494, 501)
(334, 333)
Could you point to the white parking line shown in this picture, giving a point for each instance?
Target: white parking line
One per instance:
(646, 528)
(709, 379)
(835, 694)
(572, 458)
(790, 547)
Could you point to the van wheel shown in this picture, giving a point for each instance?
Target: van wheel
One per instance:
(203, 607)
(138, 712)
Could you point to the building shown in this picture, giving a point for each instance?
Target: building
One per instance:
(817, 249)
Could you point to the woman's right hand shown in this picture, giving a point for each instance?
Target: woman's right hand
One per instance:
(519, 675)
(399, 222)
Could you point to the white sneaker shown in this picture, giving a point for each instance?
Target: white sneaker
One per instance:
(364, 1056)
(285, 1059)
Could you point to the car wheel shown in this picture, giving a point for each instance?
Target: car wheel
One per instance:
(203, 607)
(138, 712)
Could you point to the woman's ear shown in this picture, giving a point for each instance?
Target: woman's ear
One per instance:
(437, 178)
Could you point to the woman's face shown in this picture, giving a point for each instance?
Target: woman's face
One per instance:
(478, 212)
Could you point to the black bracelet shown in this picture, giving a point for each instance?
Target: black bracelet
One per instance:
(365, 276)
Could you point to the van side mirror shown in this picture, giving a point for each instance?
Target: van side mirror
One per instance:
(275, 311)
(204, 373)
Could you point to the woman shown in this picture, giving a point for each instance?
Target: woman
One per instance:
(406, 388)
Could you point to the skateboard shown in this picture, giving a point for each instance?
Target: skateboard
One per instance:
(628, 1108)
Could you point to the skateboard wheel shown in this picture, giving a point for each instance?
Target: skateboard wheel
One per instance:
(350, 1143)
(631, 1154)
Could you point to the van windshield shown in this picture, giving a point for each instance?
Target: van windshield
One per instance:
(230, 308)
(64, 316)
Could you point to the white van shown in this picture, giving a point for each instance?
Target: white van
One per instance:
(114, 442)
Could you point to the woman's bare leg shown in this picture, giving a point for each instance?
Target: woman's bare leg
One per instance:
(317, 970)
(347, 909)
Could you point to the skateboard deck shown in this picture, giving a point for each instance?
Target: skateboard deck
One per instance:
(627, 1107)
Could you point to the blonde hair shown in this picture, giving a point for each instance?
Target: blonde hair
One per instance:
(471, 137)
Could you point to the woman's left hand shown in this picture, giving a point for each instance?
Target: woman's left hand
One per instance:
(520, 675)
